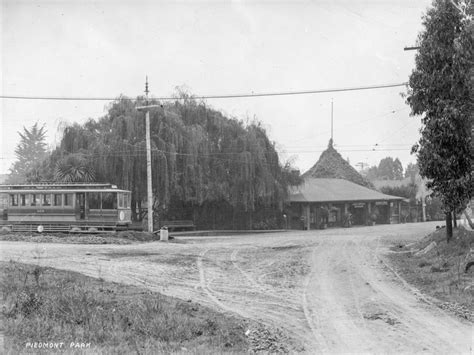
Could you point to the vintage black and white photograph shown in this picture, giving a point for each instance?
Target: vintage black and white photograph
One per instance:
(236, 177)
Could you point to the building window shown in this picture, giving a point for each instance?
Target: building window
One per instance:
(34, 199)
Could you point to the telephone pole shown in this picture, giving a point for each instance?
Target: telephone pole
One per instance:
(148, 158)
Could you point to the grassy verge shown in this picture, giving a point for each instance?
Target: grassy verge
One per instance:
(44, 305)
(439, 270)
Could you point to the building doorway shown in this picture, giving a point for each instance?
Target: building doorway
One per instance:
(358, 213)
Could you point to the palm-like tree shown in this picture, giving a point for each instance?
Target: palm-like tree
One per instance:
(74, 168)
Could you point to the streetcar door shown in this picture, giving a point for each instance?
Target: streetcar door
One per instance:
(80, 205)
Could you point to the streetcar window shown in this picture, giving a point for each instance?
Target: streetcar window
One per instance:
(14, 200)
(46, 200)
(68, 198)
(58, 199)
(109, 200)
(127, 200)
(24, 200)
(94, 200)
(121, 200)
(3, 201)
(33, 200)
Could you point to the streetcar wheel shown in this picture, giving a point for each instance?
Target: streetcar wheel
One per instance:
(5, 229)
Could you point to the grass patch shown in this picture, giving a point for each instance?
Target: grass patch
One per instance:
(48, 305)
(440, 272)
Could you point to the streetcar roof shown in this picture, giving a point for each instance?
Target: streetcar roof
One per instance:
(42, 191)
(60, 187)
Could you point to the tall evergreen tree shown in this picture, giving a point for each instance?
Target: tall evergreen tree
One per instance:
(441, 92)
(30, 152)
(412, 170)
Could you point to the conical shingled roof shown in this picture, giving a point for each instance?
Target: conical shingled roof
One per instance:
(332, 165)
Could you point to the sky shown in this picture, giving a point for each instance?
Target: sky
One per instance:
(106, 48)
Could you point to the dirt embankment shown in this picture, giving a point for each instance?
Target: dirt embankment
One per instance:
(440, 269)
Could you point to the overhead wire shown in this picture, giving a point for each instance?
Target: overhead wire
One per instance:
(355, 122)
(203, 97)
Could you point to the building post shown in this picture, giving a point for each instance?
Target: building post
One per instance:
(308, 215)
(369, 214)
(399, 211)
(389, 212)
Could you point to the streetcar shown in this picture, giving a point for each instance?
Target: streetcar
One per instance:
(64, 207)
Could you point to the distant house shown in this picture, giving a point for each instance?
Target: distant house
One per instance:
(333, 193)
(422, 190)
(410, 211)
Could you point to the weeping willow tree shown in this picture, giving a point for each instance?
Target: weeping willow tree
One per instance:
(206, 167)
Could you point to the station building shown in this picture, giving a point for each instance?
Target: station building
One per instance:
(333, 193)
(323, 202)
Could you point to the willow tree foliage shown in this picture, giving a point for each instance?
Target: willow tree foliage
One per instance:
(205, 166)
(440, 90)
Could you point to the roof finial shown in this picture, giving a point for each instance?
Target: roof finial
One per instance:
(146, 89)
(332, 110)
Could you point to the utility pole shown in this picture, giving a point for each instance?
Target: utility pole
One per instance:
(148, 159)
(423, 204)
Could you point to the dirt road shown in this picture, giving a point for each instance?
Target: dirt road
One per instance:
(331, 290)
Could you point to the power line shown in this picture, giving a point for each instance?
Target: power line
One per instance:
(229, 96)
(141, 153)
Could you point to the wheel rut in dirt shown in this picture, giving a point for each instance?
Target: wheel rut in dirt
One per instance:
(328, 290)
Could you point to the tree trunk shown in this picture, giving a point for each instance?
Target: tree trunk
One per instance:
(471, 224)
(195, 214)
(455, 222)
(214, 216)
(449, 227)
(233, 218)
